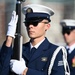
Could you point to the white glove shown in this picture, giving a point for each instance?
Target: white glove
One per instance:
(12, 25)
(17, 66)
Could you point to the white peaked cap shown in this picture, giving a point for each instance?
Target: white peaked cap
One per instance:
(39, 9)
(68, 22)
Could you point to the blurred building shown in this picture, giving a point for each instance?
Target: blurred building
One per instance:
(63, 9)
(2, 21)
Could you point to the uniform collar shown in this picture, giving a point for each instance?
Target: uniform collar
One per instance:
(71, 48)
(37, 45)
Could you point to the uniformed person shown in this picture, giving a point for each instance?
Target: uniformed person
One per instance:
(68, 31)
(37, 22)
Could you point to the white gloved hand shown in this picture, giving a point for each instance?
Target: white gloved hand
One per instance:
(12, 25)
(17, 66)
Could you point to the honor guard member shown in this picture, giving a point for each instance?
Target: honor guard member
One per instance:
(39, 57)
(68, 31)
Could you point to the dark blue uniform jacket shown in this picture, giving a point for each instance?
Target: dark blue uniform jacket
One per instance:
(71, 62)
(5, 56)
(37, 64)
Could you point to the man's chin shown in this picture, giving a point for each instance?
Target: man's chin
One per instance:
(32, 37)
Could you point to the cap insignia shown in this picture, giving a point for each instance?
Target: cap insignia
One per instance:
(29, 10)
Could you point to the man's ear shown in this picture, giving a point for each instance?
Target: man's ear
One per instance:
(47, 26)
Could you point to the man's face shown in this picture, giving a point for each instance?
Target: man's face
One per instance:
(70, 38)
(39, 30)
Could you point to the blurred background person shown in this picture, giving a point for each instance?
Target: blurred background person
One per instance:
(68, 31)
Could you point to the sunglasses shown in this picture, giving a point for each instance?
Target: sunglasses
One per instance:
(66, 32)
(34, 22)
